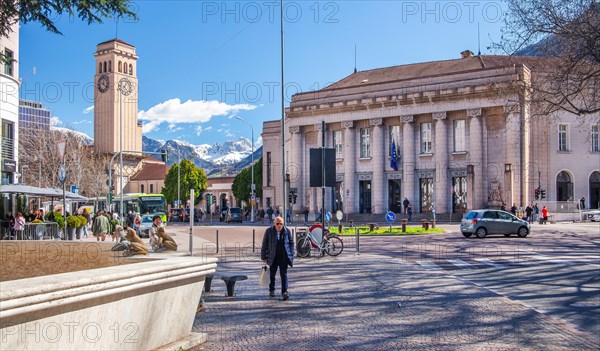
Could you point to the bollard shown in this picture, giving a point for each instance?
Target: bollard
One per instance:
(217, 241)
(423, 223)
(351, 223)
(253, 239)
(340, 227)
(404, 222)
(433, 224)
(371, 227)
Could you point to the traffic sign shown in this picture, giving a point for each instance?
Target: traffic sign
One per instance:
(328, 217)
(74, 189)
(62, 174)
(339, 215)
(390, 217)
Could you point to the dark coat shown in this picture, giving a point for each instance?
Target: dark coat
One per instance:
(269, 245)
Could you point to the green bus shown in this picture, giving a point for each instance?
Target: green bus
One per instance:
(143, 204)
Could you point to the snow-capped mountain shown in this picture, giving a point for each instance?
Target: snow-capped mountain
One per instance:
(86, 140)
(225, 159)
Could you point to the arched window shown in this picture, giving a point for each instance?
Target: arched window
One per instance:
(109, 66)
(130, 69)
(564, 187)
(120, 67)
(594, 200)
(104, 68)
(99, 67)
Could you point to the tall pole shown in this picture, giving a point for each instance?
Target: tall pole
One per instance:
(252, 217)
(283, 164)
(178, 177)
(125, 88)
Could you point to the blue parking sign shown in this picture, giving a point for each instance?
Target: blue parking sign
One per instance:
(390, 217)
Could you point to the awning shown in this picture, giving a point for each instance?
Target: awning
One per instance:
(35, 191)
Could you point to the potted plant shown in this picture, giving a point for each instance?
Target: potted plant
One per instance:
(82, 223)
(72, 224)
(57, 218)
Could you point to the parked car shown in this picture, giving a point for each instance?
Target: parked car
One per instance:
(484, 222)
(175, 215)
(234, 214)
(145, 226)
(594, 216)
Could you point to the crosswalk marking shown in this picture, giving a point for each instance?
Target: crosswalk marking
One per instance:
(460, 263)
(429, 265)
(490, 262)
(551, 260)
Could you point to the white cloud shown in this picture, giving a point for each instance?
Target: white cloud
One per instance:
(55, 121)
(173, 111)
(88, 110)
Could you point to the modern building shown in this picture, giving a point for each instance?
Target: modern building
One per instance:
(33, 117)
(448, 135)
(9, 106)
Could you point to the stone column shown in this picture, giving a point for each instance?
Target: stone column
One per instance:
(350, 185)
(408, 160)
(296, 167)
(442, 184)
(378, 156)
(512, 157)
(476, 159)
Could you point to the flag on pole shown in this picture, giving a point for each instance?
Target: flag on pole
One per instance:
(394, 157)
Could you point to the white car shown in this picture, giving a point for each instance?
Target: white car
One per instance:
(146, 225)
(594, 216)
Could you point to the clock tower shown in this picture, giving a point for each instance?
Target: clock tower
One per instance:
(116, 98)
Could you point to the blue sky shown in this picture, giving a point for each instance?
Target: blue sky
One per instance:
(202, 63)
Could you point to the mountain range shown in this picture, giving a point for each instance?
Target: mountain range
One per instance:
(228, 158)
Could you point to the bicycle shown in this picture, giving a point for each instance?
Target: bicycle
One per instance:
(331, 245)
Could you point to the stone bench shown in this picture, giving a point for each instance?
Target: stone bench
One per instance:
(229, 279)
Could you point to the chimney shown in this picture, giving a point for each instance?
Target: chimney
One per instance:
(466, 54)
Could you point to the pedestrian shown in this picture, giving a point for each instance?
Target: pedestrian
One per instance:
(513, 209)
(101, 226)
(19, 226)
(278, 252)
(306, 211)
(544, 219)
(529, 212)
(409, 212)
(270, 214)
(288, 215)
(405, 203)
(137, 222)
(582, 203)
(153, 233)
(536, 212)
(86, 215)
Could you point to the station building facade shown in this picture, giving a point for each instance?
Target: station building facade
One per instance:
(449, 136)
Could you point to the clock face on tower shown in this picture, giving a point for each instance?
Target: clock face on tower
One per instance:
(103, 83)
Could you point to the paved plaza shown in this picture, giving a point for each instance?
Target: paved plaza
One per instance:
(373, 302)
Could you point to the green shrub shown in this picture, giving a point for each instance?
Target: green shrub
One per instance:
(73, 222)
(58, 218)
(82, 220)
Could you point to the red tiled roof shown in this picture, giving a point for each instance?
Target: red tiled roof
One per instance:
(152, 171)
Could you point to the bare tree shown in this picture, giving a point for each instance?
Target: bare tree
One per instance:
(568, 31)
(40, 161)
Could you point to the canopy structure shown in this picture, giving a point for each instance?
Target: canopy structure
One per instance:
(35, 191)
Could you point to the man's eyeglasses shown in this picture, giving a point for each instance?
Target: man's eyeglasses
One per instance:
(278, 223)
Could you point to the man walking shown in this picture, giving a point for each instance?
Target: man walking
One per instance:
(278, 252)
(405, 203)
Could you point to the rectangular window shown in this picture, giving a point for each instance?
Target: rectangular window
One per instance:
(268, 169)
(337, 143)
(151, 188)
(595, 139)
(459, 135)
(394, 137)
(142, 188)
(9, 64)
(562, 137)
(365, 142)
(425, 138)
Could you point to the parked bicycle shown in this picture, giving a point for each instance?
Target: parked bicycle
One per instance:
(331, 244)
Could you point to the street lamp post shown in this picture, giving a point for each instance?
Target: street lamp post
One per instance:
(178, 177)
(252, 218)
(125, 88)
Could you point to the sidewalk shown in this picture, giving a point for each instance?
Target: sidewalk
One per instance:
(371, 302)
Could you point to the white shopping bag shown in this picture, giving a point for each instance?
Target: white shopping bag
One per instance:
(264, 279)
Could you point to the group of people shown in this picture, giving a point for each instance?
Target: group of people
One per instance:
(532, 212)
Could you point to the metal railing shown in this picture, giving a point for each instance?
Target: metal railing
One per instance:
(31, 231)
